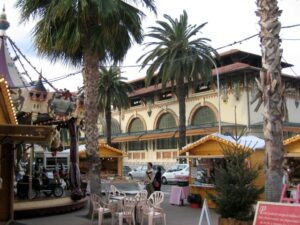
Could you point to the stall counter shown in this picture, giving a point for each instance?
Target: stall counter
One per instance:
(202, 190)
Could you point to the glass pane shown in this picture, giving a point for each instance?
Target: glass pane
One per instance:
(137, 145)
(136, 125)
(167, 143)
(166, 121)
(204, 116)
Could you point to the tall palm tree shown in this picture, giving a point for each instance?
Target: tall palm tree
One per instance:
(272, 95)
(85, 32)
(178, 57)
(113, 92)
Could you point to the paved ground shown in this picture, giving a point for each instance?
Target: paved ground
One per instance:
(176, 215)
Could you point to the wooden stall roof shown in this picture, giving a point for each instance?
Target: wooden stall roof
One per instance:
(26, 133)
(7, 109)
(292, 146)
(212, 145)
(105, 151)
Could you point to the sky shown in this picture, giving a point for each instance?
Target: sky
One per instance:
(228, 22)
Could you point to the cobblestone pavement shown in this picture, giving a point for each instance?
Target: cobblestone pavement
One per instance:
(176, 215)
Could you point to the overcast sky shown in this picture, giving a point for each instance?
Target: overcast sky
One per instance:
(227, 22)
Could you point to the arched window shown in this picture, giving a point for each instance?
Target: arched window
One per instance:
(136, 125)
(204, 116)
(166, 121)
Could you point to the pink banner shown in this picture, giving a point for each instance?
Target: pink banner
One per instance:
(269, 213)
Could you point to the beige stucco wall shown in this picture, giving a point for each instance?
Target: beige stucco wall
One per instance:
(245, 114)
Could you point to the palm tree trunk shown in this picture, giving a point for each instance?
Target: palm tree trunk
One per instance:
(180, 92)
(272, 95)
(91, 81)
(108, 120)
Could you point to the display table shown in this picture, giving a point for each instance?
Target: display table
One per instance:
(178, 194)
(203, 190)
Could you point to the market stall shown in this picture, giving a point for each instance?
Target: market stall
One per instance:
(206, 153)
(111, 161)
(292, 159)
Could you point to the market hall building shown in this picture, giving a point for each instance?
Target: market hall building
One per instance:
(148, 130)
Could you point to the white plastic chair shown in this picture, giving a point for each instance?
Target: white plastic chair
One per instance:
(128, 211)
(142, 194)
(115, 191)
(152, 213)
(141, 199)
(100, 207)
(156, 198)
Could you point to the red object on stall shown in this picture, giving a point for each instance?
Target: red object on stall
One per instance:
(293, 198)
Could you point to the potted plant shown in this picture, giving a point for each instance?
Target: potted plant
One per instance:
(194, 200)
(234, 184)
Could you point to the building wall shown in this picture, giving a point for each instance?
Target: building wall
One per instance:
(233, 107)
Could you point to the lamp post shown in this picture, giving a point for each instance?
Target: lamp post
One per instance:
(218, 87)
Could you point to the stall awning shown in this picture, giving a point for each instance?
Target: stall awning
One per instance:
(126, 138)
(199, 156)
(152, 136)
(201, 131)
(26, 133)
(292, 155)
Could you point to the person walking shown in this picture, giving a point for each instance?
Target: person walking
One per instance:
(148, 179)
(157, 179)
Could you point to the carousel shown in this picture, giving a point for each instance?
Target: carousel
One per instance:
(35, 126)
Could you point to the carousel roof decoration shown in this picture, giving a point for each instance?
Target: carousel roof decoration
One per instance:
(38, 92)
(8, 69)
(34, 104)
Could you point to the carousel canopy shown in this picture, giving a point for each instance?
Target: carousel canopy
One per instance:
(26, 133)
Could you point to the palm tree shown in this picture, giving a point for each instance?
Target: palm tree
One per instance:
(272, 95)
(177, 58)
(113, 92)
(83, 32)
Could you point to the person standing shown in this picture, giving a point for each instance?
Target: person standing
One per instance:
(148, 179)
(157, 179)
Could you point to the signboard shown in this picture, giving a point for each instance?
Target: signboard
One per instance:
(270, 213)
(204, 213)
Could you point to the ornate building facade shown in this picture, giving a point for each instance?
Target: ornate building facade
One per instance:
(149, 128)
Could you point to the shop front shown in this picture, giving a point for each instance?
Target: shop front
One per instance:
(206, 153)
(292, 159)
(111, 161)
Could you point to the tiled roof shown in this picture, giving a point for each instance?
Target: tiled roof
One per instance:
(233, 67)
(222, 70)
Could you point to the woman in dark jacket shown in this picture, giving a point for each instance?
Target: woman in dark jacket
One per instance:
(157, 179)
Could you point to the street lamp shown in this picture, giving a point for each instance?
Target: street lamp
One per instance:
(218, 87)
